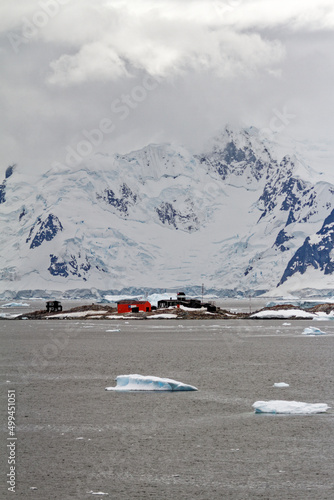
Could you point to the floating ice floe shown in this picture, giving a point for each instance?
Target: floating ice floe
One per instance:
(91, 492)
(322, 316)
(15, 304)
(148, 383)
(291, 407)
(311, 330)
(280, 384)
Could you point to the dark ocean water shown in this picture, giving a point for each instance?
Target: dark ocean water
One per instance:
(75, 439)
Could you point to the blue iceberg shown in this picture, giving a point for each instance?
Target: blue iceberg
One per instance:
(148, 383)
(311, 330)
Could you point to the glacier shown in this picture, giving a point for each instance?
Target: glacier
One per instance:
(137, 382)
(289, 407)
(15, 304)
(246, 216)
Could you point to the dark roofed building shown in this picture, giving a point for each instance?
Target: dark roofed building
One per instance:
(181, 300)
(53, 306)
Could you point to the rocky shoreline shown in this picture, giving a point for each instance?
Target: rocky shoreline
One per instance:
(99, 311)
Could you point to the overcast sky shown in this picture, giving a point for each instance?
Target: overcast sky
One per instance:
(143, 71)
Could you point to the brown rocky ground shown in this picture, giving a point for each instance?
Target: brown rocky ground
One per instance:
(102, 311)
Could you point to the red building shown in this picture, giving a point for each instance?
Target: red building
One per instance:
(130, 305)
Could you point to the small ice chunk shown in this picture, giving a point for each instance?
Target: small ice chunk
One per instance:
(280, 384)
(291, 407)
(136, 382)
(311, 330)
(97, 492)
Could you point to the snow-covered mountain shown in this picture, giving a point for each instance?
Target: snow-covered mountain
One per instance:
(244, 216)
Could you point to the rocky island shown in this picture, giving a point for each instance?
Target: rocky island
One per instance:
(107, 312)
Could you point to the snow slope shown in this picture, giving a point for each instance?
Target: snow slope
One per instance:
(242, 217)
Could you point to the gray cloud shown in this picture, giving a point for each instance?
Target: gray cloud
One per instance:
(70, 66)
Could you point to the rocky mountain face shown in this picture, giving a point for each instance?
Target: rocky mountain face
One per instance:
(317, 251)
(242, 217)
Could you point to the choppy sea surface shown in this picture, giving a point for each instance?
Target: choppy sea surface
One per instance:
(77, 441)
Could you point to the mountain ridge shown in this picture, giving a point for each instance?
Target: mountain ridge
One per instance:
(234, 217)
